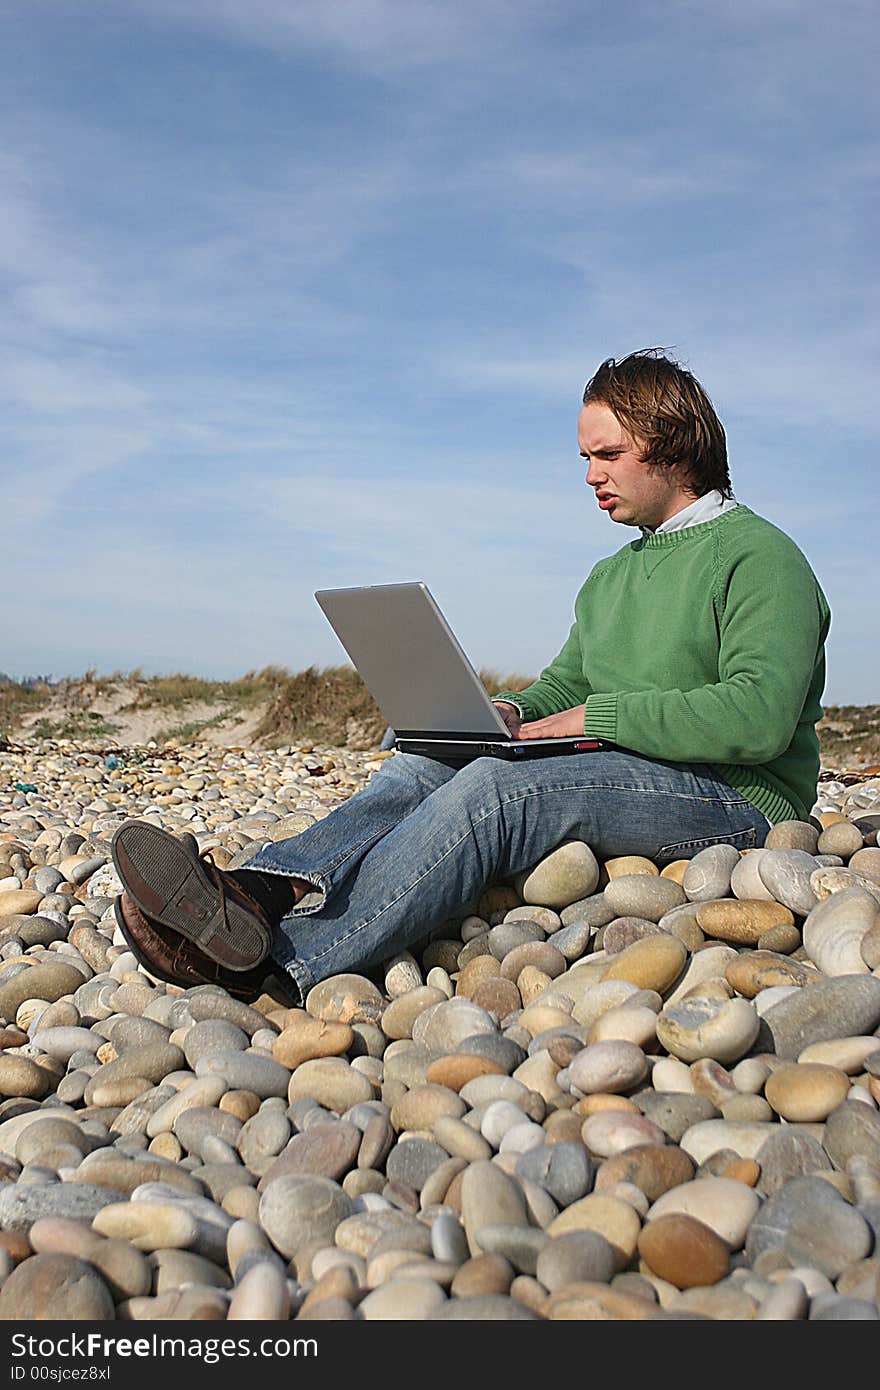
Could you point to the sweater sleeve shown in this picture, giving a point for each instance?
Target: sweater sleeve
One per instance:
(772, 621)
(560, 686)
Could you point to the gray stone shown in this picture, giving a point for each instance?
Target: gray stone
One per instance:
(508, 935)
(213, 1036)
(830, 1307)
(262, 1138)
(845, 1007)
(62, 1043)
(593, 911)
(644, 895)
(448, 1240)
(413, 1161)
(206, 1001)
(521, 1246)
(576, 1257)
(20, 1206)
(574, 941)
(247, 1071)
(199, 1122)
(299, 1212)
(793, 834)
(789, 1153)
(442, 1028)
(129, 1032)
(674, 1112)
(850, 1130)
(323, 1150)
(565, 1170)
(786, 873)
(707, 876)
(810, 1220)
(55, 1286)
(489, 1197)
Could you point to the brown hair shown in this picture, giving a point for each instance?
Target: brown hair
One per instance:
(662, 404)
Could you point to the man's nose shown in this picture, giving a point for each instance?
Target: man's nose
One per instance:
(594, 475)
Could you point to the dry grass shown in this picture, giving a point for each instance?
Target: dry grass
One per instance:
(173, 691)
(18, 700)
(329, 705)
(333, 706)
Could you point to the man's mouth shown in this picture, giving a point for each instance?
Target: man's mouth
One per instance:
(605, 500)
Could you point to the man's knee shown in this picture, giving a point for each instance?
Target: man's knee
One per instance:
(482, 775)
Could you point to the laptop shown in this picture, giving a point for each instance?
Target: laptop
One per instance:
(416, 671)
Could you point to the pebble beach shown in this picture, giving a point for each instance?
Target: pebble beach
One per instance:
(601, 1091)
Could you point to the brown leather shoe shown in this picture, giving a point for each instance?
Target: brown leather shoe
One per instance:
(170, 957)
(175, 888)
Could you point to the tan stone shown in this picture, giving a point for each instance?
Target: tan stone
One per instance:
(532, 983)
(539, 1017)
(676, 870)
(401, 1014)
(20, 902)
(753, 971)
(421, 1106)
(802, 1092)
(655, 962)
(459, 1068)
(630, 864)
(305, 1037)
(596, 1104)
(684, 1251)
(612, 1218)
(741, 920)
(330, 1081)
(744, 1170)
(242, 1104)
(847, 1054)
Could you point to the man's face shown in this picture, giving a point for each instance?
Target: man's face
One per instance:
(625, 488)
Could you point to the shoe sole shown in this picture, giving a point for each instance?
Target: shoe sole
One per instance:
(274, 982)
(171, 885)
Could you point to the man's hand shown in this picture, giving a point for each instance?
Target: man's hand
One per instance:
(510, 714)
(567, 724)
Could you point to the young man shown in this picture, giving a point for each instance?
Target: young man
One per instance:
(697, 647)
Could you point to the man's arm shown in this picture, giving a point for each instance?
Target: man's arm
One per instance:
(559, 686)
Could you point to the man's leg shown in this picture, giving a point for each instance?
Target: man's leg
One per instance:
(194, 923)
(329, 852)
(487, 821)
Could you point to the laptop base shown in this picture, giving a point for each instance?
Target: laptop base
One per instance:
(516, 750)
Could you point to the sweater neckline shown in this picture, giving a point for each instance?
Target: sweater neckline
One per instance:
(665, 540)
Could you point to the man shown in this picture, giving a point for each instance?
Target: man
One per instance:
(698, 648)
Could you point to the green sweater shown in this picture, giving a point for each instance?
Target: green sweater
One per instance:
(702, 645)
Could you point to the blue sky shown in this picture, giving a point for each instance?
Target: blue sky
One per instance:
(304, 293)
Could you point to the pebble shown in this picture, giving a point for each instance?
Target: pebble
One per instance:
(46, 1283)
(643, 895)
(804, 1091)
(567, 875)
(684, 1251)
(543, 1024)
(812, 1223)
(726, 1207)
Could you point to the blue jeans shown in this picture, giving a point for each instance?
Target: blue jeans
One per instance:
(422, 839)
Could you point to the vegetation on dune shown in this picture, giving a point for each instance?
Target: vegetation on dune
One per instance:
(323, 705)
